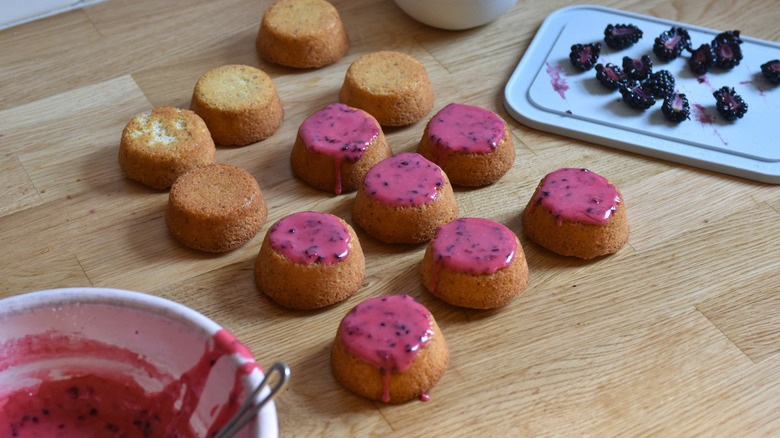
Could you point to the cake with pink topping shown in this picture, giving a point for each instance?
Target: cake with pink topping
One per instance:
(576, 212)
(475, 263)
(310, 260)
(403, 199)
(389, 349)
(471, 144)
(336, 147)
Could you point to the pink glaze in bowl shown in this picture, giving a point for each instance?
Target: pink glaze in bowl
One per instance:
(92, 358)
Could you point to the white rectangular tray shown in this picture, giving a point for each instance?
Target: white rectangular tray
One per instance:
(580, 107)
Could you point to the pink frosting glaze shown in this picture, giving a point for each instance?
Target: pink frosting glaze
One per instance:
(88, 404)
(472, 245)
(309, 237)
(577, 195)
(404, 180)
(339, 131)
(464, 129)
(387, 332)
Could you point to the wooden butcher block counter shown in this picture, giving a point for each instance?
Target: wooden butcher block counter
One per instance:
(677, 334)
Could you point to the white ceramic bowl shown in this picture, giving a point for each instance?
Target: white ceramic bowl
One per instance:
(180, 359)
(455, 14)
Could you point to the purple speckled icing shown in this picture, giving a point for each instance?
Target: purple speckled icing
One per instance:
(577, 195)
(472, 245)
(339, 131)
(404, 180)
(464, 129)
(387, 332)
(309, 237)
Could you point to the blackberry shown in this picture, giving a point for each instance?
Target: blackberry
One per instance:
(771, 71)
(584, 56)
(660, 84)
(637, 69)
(727, 50)
(702, 59)
(636, 97)
(610, 76)
(730, 104)
(621, 36)
(670, 44)
(676, 108)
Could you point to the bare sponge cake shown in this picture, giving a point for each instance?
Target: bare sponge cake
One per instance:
(389, 349)
(215, 208)
(310, 260)
(391, 86)
(403, 199)
(471, 144)
(239, 104)
(336, 147)
(475, 263)
(301, 34)
(159, 146)
(576, 212)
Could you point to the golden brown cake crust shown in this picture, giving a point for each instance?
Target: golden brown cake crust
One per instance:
(239, 104)
(215, 208)
(575, 239)
(304, 287)
(159, 146)
(393, 87)
(365, 379)
(318, 169)
(477, 291)
(417, 224)
(474, 170)
(301, 34)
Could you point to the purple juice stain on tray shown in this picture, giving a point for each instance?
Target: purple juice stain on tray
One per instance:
(700, 115)
(556, 80)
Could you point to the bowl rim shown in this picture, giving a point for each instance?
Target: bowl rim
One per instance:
(265, 424)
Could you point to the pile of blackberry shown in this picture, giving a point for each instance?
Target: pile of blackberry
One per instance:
(640, 87)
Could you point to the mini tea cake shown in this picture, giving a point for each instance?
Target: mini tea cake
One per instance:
(476, 263)
(301, 34)
(393, 87)
(239, 104)
(310, 260)
(575, 212)
(336, 147)
(159, 146)
(389, 349)
(403, 199)
(471, 144)
(215, 208)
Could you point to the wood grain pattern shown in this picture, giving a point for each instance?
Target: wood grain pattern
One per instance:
(675, 335)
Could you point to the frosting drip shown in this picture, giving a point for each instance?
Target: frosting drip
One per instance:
(472, 245)
(464, 129)
(309, 237)
(386, 332)
(339, 131)
(577, 195)
(404, 180)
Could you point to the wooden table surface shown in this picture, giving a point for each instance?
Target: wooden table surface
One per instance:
(676, 334)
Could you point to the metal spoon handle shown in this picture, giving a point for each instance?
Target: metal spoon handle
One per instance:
(249, 409)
